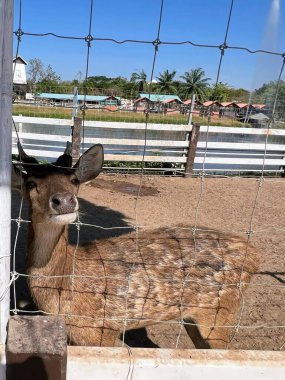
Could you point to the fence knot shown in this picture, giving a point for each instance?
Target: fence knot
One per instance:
(19, 220)
(202, 175)
(83, 107)
(249, 233)
(14, 276)
(223, 47)
(261, 181)
(89, 39)
(156, 43)
(19, 34)
(78, 225)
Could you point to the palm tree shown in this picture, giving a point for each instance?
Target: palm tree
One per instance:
(140, 79)
(166, 81)
(195, 83)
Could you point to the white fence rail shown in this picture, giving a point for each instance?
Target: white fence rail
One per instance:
(225, 149)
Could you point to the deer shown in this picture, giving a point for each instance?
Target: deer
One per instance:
(195, 276)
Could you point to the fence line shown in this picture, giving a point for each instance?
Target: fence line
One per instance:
(204, 147)
(228, 153)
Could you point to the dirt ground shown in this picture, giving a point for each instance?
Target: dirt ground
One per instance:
(233, 205)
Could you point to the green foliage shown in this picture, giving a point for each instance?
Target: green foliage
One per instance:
(165, 82)
(220, 92)
(102, 85)
(43, 78)
(223, 92)
(267, 94)
(139, 81)
(196, 83)
(40, 76)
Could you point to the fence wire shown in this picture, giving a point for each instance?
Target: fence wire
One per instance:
(249, 231)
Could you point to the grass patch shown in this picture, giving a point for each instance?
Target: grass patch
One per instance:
(118, 116)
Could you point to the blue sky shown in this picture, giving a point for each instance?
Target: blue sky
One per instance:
(254, 25)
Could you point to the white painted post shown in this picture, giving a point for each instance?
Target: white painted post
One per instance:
(191, 110)
(6, 88)
(75, 102)
(20, 126)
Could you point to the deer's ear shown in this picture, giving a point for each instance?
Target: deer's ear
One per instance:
(90, 163)
(17, 178)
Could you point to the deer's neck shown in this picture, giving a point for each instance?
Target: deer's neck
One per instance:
(47, 244)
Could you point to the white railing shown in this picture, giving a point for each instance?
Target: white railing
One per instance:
(241, 149)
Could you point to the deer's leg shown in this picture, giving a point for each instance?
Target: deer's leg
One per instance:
(217, 337)
(194, 334)
(92, 336)
(108, 337)
(213, 329)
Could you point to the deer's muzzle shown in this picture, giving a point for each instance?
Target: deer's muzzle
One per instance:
(63, 203)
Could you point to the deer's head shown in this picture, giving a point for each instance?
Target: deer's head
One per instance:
(51, 189)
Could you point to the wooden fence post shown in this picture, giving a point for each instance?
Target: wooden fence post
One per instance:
(76, 139)
(36, 348)
(193, 140)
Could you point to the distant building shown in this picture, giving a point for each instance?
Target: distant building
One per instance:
(157, 102)
(19, 76)
(64, 100)
(259, 120)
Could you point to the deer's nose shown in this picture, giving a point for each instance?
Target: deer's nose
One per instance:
(63, 203)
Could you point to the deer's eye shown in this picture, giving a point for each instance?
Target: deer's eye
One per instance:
(75, 181)
(30, 185)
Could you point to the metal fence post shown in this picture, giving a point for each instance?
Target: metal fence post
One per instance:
(6, 88)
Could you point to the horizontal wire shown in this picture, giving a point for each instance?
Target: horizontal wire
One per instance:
(151, 320)
(156, 279)
(173, 227)
(150, 42)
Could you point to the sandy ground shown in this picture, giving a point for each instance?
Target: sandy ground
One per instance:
(229, 204)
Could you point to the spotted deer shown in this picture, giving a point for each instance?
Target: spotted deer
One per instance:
(196, 277)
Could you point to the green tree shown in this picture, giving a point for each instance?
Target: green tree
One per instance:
(224, 92)
(49, 81)
(196, 83)
(41, 78)
(239, 94)
(266, 94)
(166, 81)
(97, 83)
(140, 80)
(35, 70)
(220, 92)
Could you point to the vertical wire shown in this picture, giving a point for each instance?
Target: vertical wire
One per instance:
(202, 174)
(260, 184)
(19, 219)
(156, 44)
(88, 39)
(222, 49)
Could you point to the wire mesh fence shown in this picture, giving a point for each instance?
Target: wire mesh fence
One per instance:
(144, 278)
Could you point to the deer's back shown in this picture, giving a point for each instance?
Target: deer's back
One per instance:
(151, 275)
(154, 273)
